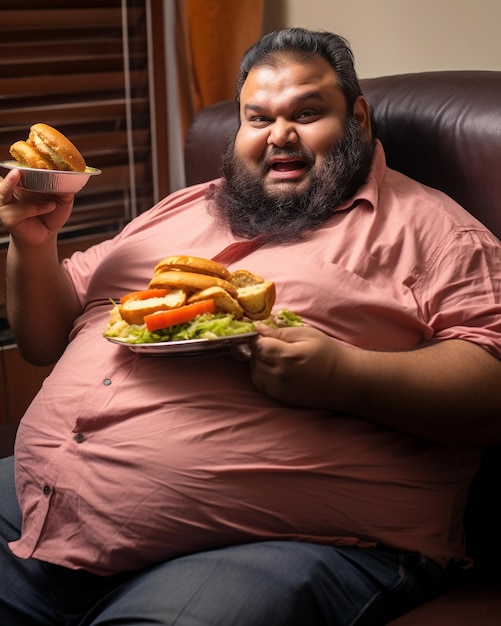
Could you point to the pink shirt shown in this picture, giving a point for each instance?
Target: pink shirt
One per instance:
(126, 460)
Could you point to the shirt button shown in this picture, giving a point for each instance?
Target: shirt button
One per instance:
(46, 490)
(79, 437)
(107, 382)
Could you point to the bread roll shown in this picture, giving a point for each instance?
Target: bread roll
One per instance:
(56, 148)
(192, 264)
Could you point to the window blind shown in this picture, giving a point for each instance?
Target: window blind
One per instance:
(84, 68)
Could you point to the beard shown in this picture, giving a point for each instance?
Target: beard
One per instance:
(242, 204)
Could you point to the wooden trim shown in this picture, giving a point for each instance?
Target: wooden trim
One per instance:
(75, 80)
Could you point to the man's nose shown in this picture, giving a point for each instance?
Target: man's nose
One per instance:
(282, 132)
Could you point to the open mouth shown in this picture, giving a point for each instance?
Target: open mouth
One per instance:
(288, 166)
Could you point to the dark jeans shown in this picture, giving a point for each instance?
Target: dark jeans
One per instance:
(275, 583)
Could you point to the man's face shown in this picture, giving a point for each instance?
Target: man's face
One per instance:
(297, 155)
(292, 115)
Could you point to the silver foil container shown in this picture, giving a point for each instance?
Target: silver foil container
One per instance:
(51, 181)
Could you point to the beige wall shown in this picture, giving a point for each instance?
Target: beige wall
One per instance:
(398, 36)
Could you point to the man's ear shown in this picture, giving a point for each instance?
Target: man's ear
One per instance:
(362, 114)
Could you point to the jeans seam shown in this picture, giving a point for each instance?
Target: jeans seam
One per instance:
(363, 610)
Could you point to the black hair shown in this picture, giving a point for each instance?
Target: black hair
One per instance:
(303, 44)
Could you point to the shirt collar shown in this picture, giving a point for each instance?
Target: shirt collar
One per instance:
(369, 191)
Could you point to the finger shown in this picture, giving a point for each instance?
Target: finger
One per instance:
(267, 350)
(288, 334)
(264, 378)
(7, 186)
(274, 340)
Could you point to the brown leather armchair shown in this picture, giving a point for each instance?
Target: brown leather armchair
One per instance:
(444, 129)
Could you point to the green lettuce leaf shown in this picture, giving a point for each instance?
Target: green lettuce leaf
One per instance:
(206, 326)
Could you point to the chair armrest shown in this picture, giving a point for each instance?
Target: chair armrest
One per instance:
(475, 603)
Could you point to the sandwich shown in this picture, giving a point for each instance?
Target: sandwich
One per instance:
(190, 297)
(47, 149)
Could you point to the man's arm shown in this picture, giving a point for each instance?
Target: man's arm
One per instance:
(448, 392)
(41, 302)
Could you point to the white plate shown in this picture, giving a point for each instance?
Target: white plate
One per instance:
(184, 346)
(51, 181)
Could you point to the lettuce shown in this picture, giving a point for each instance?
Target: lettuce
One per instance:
(206, 326)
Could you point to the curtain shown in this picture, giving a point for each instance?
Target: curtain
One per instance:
(212, 37)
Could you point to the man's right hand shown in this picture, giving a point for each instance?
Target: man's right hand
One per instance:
(31, 218)
(41, 302)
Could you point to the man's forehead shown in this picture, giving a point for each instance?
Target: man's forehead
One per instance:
(290, 77)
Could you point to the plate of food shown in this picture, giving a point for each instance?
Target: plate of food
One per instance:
(193, 305)
(185, 346)
(49, 162)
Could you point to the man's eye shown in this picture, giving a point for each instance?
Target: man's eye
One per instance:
(307, 114)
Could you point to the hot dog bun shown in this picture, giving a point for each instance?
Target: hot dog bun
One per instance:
(193, 279)
(190, 281)
(133, 311)
(192, 264)
(52, 147)
(243, 294)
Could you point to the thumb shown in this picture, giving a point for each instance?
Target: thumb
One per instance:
(289, 334)
(10, 182)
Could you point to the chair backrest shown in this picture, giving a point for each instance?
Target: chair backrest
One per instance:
(442, 128)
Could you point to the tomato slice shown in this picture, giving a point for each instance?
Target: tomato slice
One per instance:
(180, 315)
